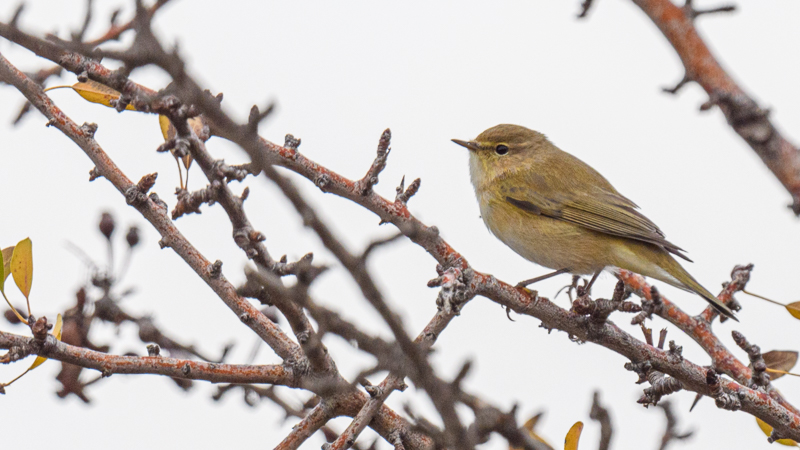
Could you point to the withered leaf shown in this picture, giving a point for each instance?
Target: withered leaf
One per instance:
(783, 360)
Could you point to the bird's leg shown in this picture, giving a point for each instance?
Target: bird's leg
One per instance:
(570, 287)
(588, 287)
(180, 174)
(543, 277)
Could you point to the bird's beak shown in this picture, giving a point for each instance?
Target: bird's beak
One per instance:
(469, 145)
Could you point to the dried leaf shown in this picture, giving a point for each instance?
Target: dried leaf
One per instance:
(782, 360)
(22, 266)
(573, 435)
(96, 93)
(794, 309)
(767, 429)
(781, 373)
(530, 426)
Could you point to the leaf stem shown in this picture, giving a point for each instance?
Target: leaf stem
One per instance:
(19, 316)
(763, 298)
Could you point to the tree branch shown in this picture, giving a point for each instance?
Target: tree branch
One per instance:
(152, 208)
(313, 421)
(458, 280)
(21, 346)
(743, 114)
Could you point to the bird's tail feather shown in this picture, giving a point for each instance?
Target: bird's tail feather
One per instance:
(680, 278)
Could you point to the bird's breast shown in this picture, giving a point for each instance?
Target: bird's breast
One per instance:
(545, 241)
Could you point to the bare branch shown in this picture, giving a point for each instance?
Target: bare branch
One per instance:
(586, 5)
(303, 430)
(489, 419)
(21, 346)
(742, 112)
(670, 434)
(378, 395)
(688, 7)
(364, 185)
(256, 116)
(600, 414)
(78, 36)
(666, 370)
(677, 87)
(151, 208)
(379, 243)
(759, 367)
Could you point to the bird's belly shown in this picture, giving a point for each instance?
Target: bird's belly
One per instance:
(545, 241)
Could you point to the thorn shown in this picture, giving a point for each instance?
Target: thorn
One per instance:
(677, 87)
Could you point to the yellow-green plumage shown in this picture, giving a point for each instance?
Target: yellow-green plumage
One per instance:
(555, 210)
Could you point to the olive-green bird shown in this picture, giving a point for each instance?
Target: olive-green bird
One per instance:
(553, 209)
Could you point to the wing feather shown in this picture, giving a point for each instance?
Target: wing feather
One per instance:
(602, 210)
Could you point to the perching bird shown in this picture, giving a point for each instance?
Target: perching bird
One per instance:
(555, 210)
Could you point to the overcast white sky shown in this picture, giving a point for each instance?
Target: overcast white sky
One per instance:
(341, 72)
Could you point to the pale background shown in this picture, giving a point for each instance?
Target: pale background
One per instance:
(343, 71)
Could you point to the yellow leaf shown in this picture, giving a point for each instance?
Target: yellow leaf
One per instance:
(96, 93)
(57, 333)
(198, 124)
(573, 435)
(768, 431)
(38, 362)
(167, 130)
(780, 361)
(7, 252)
(58, 327)
(22, 266)
(187, 161)
(5, 271)
(794, 309)
(530, 426)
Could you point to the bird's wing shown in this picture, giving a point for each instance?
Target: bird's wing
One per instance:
(602, 209)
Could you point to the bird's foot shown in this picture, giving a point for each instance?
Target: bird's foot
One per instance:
(572, 287)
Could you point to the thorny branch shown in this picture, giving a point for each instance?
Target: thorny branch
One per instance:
(306, 363)
(749, 120)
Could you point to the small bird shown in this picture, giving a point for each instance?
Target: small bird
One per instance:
(553, 209)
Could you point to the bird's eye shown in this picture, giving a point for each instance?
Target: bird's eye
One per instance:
(501, 149)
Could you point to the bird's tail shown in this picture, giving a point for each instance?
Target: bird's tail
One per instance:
(680, 278)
